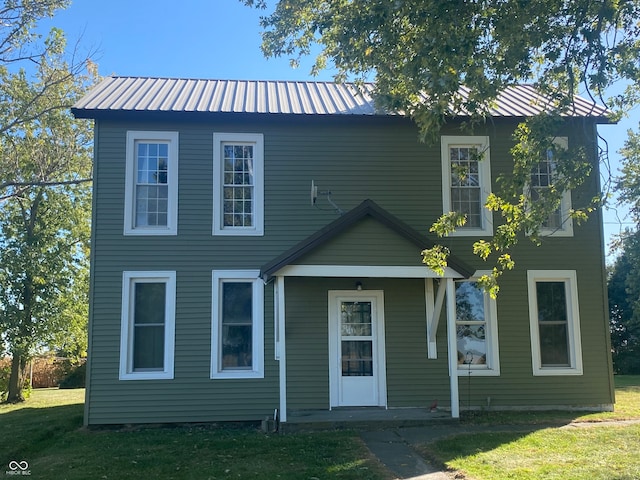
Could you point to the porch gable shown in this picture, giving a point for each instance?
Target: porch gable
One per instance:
(352, 244)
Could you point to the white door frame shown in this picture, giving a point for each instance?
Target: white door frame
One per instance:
(379, 359)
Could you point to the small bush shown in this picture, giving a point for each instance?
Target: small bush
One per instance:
(627, 361)
(5, 372)
(75, 378)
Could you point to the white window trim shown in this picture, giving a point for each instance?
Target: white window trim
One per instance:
(484, 166)
(129, 279)
(218, 277)
(575, 347)
(130, 181)
(565, 204)
(257, 140)
(492, 367)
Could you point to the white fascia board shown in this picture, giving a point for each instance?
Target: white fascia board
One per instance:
(363, 271)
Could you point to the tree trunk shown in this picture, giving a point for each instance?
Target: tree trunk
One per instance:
(16, 380)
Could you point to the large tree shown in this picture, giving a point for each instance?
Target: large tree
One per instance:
(624, 305)
(45, 191)
(44, 230)
(432, 58)
(624, 275)
(23, 54)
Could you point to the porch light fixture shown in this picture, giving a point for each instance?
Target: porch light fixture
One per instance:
(358, 285)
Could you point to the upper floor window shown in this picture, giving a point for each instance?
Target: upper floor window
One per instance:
(554, 322)
(147, 325)
(237, 345)
(544, 173)
(151, 190)
(466, 182)
(476, 330)
(238, 172)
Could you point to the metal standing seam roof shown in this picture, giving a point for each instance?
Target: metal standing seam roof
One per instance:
(146, 94)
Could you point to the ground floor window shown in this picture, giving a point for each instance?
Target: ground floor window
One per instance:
(554, 322)
(147, 325)
(476, 330)
(237, 349)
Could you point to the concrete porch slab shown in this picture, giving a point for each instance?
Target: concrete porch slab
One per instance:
(363, 418)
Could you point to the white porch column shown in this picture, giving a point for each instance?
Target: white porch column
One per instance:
(452, 347)
(281, 352)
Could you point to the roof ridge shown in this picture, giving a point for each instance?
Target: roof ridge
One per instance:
(218, 79)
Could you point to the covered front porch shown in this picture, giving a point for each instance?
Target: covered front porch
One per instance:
(356, 343)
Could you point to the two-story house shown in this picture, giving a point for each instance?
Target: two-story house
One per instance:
(224, 286)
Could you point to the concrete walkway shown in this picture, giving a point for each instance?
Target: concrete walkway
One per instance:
(395, 447)
(395, 453)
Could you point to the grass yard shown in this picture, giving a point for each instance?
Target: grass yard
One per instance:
(627, 408)
(46, 432)
(593, 450)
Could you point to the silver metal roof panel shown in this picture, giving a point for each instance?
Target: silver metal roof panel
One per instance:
(145, 94)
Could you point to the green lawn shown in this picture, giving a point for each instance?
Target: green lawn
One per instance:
(46, 432)
(627, 408)
(593, 450)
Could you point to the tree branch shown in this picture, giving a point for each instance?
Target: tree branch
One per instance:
(22, 186)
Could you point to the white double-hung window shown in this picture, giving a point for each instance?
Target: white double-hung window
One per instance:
(476, 330)
(238, 184)
(554, 322)
(151, 189)
(147, 333)
(237, 332)
(559, 222)
(466, 182)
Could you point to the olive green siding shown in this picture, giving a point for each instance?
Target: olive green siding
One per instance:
(367, 243)
(412, 379)
(357, 159)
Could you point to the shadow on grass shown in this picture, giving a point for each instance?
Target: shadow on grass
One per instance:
(27, 431)
(53, 443)
(607, 451)
(542, 417)
(444, 451)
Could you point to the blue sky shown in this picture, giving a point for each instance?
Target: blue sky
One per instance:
(172, 38)
(208, 39)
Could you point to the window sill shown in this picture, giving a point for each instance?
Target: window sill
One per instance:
(485, 372)
(150, 231)
(146, 376)
(471, 232)
(550, 371)
(237, 232)
(237, 375)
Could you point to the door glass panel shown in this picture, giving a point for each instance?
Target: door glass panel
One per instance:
(356, 319)
(357, 341)
(357, 358)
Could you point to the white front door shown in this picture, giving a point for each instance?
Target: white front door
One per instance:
(357, 373)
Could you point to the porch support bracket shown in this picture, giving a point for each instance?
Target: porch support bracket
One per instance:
(434, 309)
